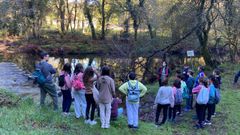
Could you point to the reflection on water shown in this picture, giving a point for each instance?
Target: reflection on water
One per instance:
(119, 66)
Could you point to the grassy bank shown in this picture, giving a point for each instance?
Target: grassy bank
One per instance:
(27, 118)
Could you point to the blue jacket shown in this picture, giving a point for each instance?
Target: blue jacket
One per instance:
(201, 74)
(47, 70)
(190, 83)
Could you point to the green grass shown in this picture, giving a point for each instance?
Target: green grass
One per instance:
(27, 118)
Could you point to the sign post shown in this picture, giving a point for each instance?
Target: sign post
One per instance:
(191, 54)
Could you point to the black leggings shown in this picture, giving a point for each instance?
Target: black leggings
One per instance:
(201, 111)
(165, 110)
(214, 109)
(67, 100)
(210, 109)
(173, 111)
(90, 104)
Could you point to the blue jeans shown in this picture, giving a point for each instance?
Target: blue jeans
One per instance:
(80, 103)
(189, 102)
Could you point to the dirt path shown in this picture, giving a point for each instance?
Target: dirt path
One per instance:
(16, 80)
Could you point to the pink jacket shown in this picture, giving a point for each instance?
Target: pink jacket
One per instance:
(197, 89)
(174, 91)
(68, 82)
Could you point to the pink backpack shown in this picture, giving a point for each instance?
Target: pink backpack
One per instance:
(77, 82)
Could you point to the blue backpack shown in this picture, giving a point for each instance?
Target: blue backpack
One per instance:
(38, 75)
(203, 96)
(133, 94)
(185, 92)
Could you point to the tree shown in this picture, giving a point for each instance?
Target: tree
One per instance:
(103, 19)
(231, 22)
(88, 15)
(61, 7)
(205, 21)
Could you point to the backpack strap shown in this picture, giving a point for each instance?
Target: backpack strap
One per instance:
(129, 85)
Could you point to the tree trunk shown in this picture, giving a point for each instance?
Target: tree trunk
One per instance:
(89, 17)
(203, 30)
(62, 14)
(75, 15)
(103, 20)
(68, 16)
(150, 31)
(135, 26)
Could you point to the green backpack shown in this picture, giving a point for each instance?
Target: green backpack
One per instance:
(38, 75)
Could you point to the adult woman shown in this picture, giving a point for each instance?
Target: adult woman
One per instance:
(163, 72)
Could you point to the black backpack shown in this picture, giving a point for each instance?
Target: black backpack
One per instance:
(61, 80)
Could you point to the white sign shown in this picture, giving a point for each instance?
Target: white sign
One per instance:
(190, 53)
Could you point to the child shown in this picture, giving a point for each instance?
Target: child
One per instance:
(185, 73)
(211, 102)
(106, 87)
(114, 111)
(236, 78)
(217, 75)
(217, 84)
(79, 92)
(133, 90)
(66, 85)
(177, 92)
(200, 74)
(190, 84)
(201, 90)
(88, 79)
(163, 100)
(185, 93)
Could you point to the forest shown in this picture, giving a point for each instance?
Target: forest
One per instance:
(147, 27)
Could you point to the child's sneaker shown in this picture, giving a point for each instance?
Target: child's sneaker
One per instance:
(87, 121)
(93, 122)
(207, 122)
(135, 128)
(130, 126)
(107, 126)
(197, 126)
(103, 126)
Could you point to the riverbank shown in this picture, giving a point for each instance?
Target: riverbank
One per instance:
(27, 118)
(57, 45)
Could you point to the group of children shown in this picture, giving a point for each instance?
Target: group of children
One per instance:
(92, 90)
(82, 85)
(186, 87)
(169, 98)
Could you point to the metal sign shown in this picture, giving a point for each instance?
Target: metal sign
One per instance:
(190, 53)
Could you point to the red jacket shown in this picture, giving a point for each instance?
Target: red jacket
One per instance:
(160, 72)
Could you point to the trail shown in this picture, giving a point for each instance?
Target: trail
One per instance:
(15, 80)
